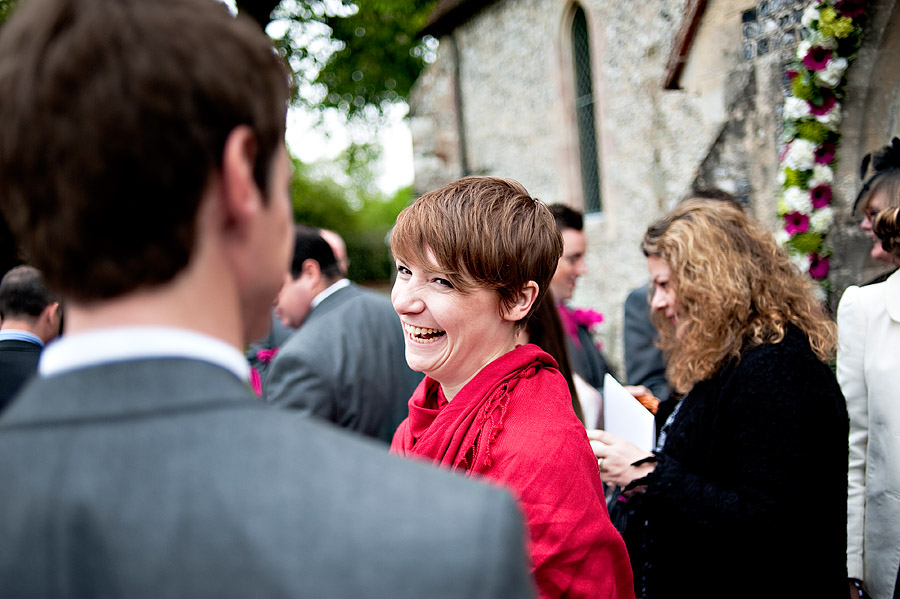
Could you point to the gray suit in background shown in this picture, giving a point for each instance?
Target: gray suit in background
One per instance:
(644, 362)
(346, 364)
(164, 478)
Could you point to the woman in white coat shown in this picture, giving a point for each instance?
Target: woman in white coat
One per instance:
(868, 363)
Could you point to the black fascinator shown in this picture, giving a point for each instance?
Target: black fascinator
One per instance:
(882, 160)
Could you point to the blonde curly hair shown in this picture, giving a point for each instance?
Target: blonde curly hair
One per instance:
(737, 289)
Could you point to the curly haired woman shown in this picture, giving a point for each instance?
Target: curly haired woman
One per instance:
(746, 496)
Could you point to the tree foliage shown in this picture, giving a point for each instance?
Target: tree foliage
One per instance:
(6, 7)
(354, 58)
(361, 217)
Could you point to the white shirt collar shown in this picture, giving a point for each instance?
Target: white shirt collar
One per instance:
(892, 296)
(334, 287)
(118, 344)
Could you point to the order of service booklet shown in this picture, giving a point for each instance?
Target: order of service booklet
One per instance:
(625, 417)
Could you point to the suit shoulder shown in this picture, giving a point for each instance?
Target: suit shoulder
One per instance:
(390, 484)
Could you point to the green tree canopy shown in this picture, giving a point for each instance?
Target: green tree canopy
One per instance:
(356, 58)
(362, 217)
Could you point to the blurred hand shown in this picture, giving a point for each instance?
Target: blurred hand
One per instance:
(616, 456)
(645, 396)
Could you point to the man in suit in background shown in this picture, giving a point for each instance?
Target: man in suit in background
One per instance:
(143, 170)
(346, 363)
(587, 359)
(337, 245)
(29, 319)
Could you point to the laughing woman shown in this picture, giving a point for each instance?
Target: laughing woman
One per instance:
(473, 259)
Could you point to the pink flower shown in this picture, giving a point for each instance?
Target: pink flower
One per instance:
(825, 154)
(828, 102)
(796, 222)
(266, 355)
(573, 318)
(817, 58)
(820, 196)
(255, 381)
(851, 8)
(818, 266)
(588, 318)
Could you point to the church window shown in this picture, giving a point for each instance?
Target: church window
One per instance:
(585, 111)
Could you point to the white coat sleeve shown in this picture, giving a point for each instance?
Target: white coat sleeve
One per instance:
(851, 318)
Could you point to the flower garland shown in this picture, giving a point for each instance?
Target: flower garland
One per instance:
(812, 113)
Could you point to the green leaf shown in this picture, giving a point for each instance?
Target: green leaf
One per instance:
(806, 243)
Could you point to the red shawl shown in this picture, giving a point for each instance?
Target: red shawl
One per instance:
(514, 423)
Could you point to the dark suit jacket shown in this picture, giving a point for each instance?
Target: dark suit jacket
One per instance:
(18, 363)
(167, 478)
(347, 365)
(587, 359)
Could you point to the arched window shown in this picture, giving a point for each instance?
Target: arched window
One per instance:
(584, 112)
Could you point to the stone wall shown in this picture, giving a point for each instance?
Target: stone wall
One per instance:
(511, 65)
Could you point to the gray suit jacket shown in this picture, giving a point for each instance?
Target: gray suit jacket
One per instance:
(166, 478)
(347, 365)
(644, 362)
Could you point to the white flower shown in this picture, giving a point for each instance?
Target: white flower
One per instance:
(801, 261)
(821, 219)
(797, 200)
(800, 155)
(782, 176)
(832, 118)
(810, 14)
(819, 293)
(822, 175)
(833, 72)
(795, 108)
(803, 49)
(782, 237)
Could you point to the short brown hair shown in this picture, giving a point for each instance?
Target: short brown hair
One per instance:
(485, 232)
(737, 289)
(115, 114)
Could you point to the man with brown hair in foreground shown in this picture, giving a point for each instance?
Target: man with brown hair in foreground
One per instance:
(143, 169)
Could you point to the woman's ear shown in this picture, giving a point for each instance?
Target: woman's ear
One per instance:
(522, 302)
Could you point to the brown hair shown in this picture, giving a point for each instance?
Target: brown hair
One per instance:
(885, 167)
(887, 228)
(737, 289)
(485, 232)
(545, 330)
(115, 114)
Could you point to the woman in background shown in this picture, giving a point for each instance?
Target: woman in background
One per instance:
(879, 192)
(746, 497)
(867, 366)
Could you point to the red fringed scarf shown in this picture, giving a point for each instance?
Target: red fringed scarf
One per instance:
(452, 433)
(514, 423)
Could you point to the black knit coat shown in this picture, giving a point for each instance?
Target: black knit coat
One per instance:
(749, 498)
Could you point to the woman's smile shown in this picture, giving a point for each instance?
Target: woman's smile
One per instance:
(421, 334)
(450, 334)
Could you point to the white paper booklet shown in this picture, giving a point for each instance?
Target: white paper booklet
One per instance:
(625, 417)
